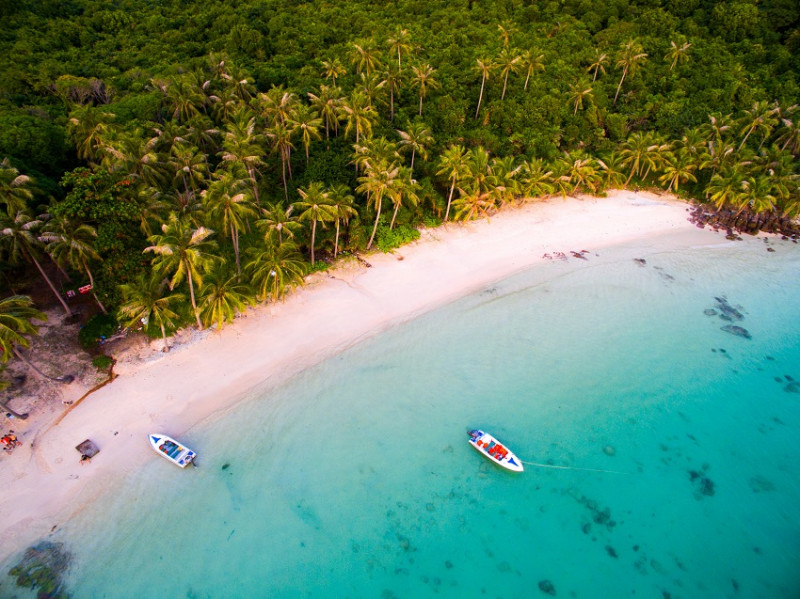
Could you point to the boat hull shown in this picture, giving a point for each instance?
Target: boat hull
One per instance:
(495, 451)
(171, 450)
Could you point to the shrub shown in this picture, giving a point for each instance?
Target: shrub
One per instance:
(103, 362)
(388, 239)
(99, 326)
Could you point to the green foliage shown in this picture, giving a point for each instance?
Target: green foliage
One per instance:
(98, 328)
(388, 239)
(102, 362)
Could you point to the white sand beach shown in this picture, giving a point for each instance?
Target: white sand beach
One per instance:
(43, 482)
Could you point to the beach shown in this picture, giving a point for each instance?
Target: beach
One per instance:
(44, 482)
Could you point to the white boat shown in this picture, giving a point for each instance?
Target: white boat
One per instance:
(494, 450)
(170, 449)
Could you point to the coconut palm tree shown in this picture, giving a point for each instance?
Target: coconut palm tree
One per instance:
(19, 239)
(276, 106)
(485, 67)
(417, 139)
(328, 106)
(631, 57)
(274, 269)
(229, 203)
(531, 61)
(73, 244)
(242, 145)
(222, 297)
(535, 179)
(372, 86)
(423, 79)
(17, 314)
(342, 203)
(404, 192)
(677, 53)
(393, 83)
(281, 137)
(376, 184)
(611, 166)
(314, 206)
(186, 96)
(453, 166)
(145, 301)
(333, 69)
(762, 116)
(727, 187)
(583, 172)
(15, 189)
(189, 166)
(678, 168)
(89, 127)
(633, 151)
(599, 63)
(474, 192)
(365, 57)
(278, 221)
(400, 43)
(508, 61)
(358, 114)
(579, 91)
(184, 251)
(306, 120)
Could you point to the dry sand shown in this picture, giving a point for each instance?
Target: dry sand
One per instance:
(43, 482)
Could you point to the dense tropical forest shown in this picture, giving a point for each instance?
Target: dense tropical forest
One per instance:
(188, 159)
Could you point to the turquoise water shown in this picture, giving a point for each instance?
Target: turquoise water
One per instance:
(355, 479)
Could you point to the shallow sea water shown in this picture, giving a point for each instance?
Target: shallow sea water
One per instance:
(355, 478)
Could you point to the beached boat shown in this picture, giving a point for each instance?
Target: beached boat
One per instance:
(494, 450)
(172, 450)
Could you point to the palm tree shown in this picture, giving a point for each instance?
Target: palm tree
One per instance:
(763, 117)
(359, 114)
(757, 194)
(277, 105)
(423, 79)
(281, 137)
(342, 203)
(535, 179)
(377, 183)
(228, 202)
(184, 251)
(333, 69)
(365, 57)
(583, 171)
(190, 167)
(306, 120)
(222, 297)
(502, 180)
(18, 234)
(73, 244)
(630, 59)
(633, 152)
(531, 61)
(611, 165)
(485, 67)
(393, 83)
(474, 197)
(508, 61)
(16, 315)
(400, 43)
(315, 207)
(599, 64)
(145, 301)
(88, 127)
(241, 145)
(677, 53)
(372, 86)
(726, 187)
(328, 106)
(453, 166)
(15, 189)
(789, 134)
(275, 268)
(678, 168)
(185, 94)
(577, 92)
(418, 138)
(404, 191)
(278, 221)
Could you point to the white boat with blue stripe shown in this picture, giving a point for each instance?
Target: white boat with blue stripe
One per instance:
(494, 450)
(169, 448)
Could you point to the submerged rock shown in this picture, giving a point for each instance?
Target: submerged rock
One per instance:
(547, 587)
(728, 310)
(609, 450)
(702, 484)
(793, 387)
(737, 330)
(710, 312)
(42, 567)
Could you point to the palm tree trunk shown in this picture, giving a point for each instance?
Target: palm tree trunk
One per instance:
(58, 379)
(420, 104)
(619, 87)
(313, 238)
(394, 216)
(253, 182)
(480, 96)
(450, 199)
(413, 155)
(527, 78)
(50, 284)
(235, 239)
(191, 295)
(741, 145)
(91, 282)
(375, 227)
(164, 337)
(336, 240)
(283, 173)
(13, 413)
(505, 84)
(391, 104)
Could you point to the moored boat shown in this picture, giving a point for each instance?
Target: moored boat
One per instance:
(494, 450)
(170, 449)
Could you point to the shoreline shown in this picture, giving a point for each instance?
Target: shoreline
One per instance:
(212, 371)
